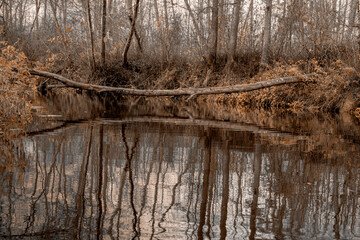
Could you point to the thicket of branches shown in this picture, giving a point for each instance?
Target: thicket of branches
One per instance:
(214, 32)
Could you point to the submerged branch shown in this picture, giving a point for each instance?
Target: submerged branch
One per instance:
(175, 92)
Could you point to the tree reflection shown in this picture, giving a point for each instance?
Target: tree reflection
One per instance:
(123, 180)
(79, 200)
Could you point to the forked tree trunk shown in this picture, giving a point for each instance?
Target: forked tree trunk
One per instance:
(131, 19)
(132, 30)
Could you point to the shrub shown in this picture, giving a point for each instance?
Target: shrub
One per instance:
(16, 86)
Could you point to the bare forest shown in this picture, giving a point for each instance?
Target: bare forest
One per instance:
(183, 44)
(101, 34)
(179, 119)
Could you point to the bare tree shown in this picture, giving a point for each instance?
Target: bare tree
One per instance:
(267, 35)
(200, 37)
(251, 27)
(129, 6)
(53, 6)
(234, 33)
(166, 32)
(160, 32)
(103, 32)
(132, 30)
(213, 35)
(86, 6)
(110, 22)
(208, 28)
(36, 20)
(44, 22)
(353, 10)
(64, 11)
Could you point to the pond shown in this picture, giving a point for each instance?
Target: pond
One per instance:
(136, 172)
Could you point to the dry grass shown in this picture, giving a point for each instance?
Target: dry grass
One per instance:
(333, 89)
(16, 85)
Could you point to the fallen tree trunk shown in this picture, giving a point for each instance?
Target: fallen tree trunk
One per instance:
(175, 92)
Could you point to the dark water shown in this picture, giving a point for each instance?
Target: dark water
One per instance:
(142, 176)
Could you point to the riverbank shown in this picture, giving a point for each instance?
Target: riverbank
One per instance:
(332, 88)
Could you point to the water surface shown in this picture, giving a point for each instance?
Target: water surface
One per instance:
(142, 175)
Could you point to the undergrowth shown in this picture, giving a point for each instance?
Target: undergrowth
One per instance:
(16, 87)
(332, 89)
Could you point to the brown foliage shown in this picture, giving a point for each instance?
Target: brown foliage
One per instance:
(325, 92)
(15, 106)
(15, 86)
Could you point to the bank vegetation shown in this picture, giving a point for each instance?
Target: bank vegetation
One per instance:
(143, 45)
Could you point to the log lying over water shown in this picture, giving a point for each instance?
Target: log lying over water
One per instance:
(175, 92)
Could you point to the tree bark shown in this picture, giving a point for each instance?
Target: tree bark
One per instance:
(175, 92)
(213, 35)
(251, 34)
(110, 22)
(353, 9)
(166, 32)
(267, 35)
(86, 5)
(234, 33)
(103, 33)
(64, 12)
(44, 22)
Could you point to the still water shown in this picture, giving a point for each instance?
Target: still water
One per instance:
(143, 175)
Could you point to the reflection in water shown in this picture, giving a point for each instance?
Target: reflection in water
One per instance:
(129, 179)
